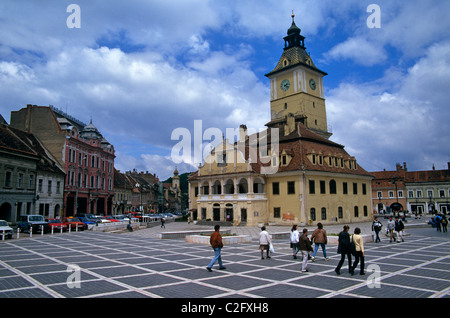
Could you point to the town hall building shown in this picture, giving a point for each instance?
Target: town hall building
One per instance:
(291, 173)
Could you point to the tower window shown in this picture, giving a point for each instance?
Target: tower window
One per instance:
(285, 105)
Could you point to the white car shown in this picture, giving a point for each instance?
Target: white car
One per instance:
(102, 219)
(4, 228)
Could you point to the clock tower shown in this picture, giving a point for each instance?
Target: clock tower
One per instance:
(296, 87)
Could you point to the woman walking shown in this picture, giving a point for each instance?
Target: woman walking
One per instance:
(319, 237)
(344, 249)
(359, 246)
(294, 241)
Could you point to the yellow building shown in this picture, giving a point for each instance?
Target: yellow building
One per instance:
(290, 173)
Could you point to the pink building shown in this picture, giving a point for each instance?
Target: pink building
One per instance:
(87, 157)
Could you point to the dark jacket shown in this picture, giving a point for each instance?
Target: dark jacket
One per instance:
(304, 243)
(344, 243)
(399, 225)
(216, 240)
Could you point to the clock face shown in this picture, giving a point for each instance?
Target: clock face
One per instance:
(312, 84)
(285, 85)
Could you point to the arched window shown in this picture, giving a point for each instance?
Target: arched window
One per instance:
(243, 186)
(229, 187)
(332, 186)
(324, 213)
(312, 214)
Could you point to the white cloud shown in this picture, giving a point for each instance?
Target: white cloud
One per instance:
(360, 50)
(408, 123)
(142, 68)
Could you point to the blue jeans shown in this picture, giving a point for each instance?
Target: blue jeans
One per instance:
(316, 248)
(217, 257)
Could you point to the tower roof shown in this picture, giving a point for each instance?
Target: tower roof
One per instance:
(294, 52)
(91, 132)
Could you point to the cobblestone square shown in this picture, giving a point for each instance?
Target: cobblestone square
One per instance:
(135, 265)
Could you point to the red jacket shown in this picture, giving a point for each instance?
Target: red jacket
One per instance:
(216, 240)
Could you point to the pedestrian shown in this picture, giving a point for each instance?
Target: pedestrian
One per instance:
(438, 221)
(216, 243)
(376, 226)
(162, 223)
(359, 255)
(344, 249)
(264, 242)
(319, 237)
(294, 241)
(390, 228)
(444, 223)
(399, 226)
(304, 245)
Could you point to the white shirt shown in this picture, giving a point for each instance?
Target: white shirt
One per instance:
(264, 238)
(295, 235)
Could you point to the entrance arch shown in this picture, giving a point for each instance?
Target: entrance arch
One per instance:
(5, 212)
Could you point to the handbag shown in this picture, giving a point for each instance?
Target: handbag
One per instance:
(271, 249)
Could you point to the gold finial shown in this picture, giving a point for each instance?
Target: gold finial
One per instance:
(292, 15)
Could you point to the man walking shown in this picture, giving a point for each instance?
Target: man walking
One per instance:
(399, 226)
(304, 245)
(376, 226)
(344, 249)
(216, 243)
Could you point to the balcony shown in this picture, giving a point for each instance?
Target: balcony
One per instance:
(231, 197)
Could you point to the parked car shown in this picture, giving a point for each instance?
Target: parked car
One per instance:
(34, 221)
(56, 225)
(102, 219)
(4, 227)
(75, 223)
(111, 218)
(90, 217)
(89, 222)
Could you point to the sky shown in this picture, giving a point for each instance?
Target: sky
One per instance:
(140, 70)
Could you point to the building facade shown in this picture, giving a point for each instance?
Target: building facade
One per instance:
(421, 192)
(87, 157)
(290, 173)
(31, 181)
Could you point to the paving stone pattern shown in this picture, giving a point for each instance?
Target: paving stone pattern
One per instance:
(133, 266)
